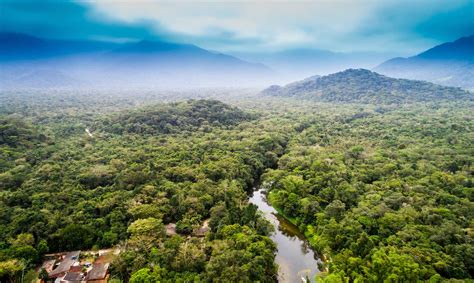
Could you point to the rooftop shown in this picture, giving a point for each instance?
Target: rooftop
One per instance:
(98, 272)
(69, 259)
(48, 265)
(74, 276)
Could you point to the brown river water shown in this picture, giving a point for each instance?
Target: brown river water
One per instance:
(296, 261)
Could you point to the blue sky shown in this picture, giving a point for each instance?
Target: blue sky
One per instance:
(400, 26)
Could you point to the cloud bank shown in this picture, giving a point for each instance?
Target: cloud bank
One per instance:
(258, 25)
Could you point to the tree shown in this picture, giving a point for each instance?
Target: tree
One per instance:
(390, 265)
(73, 237)
(146, 232)
(42, 247)
(23, 239)
(9, 269)
(28, 253)
(335, 209)
(142, 276)
(190, 257)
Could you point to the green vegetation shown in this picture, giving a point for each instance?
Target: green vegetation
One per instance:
(364, 86)
(385, 192)
(387, 196)
(176, 118)
(121, 186)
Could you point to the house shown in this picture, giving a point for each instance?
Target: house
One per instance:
(48, 265)
(73, 277)
(68, 268)
(77, 267)
(65, 265)
(98, 274)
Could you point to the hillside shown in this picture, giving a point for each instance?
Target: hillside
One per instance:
(450, 63)
(364, 86)
(389, 186)
(17, 136)
(461, 49)
(176, 117)
(78, 192)
(23, 47)
(17, 133)
(27, 62)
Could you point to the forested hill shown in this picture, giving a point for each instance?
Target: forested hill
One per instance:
(384, 193)
(451, 64)
(17, 133)
(76, 192)
(364, 86)
(189, 115)
(16, 137)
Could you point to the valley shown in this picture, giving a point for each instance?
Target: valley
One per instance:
(236, 141)
(382, 190)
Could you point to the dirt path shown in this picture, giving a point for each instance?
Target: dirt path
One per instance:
(89, 133)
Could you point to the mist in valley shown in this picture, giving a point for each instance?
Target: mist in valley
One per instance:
(246, 141)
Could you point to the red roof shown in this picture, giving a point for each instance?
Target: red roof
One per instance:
(76, 268)
(98, 272)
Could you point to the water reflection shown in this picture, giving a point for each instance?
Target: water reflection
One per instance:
(294, 257)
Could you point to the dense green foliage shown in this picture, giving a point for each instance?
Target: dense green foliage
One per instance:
(17, 137)
(102, 190)
(364, 86)
(384, 192)
(176, 117)
(387, 196)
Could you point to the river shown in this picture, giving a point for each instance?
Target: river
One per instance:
(294, 257)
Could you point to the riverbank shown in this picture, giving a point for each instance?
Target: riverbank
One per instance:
(307, 233)
(296, 260)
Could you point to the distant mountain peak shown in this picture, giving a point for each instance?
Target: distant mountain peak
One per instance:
(365, 86)
(355, 72)
(460, 49)
(19, 46)
(352, 74)
(450, 63)
(150, 46)
(10, 36)
(12, 41)
(145, 63)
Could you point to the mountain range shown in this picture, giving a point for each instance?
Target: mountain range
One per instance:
(364, 86)
(30, 62)
(450, 64)
(293, 64)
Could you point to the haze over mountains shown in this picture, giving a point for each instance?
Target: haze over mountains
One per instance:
(364, 86)
(450, 63)
(32, 62)
(295, 64)
(28, 61)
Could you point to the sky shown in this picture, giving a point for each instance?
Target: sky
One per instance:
(395, 26)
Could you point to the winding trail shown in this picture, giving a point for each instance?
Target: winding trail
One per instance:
(89, 133)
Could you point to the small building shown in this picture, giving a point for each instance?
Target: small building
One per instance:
(48, 265)
(65, 265)
(73, 277)
(76, 268)
(98, 274)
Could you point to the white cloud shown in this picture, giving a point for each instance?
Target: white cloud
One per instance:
(275, 23)
(231, 25)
